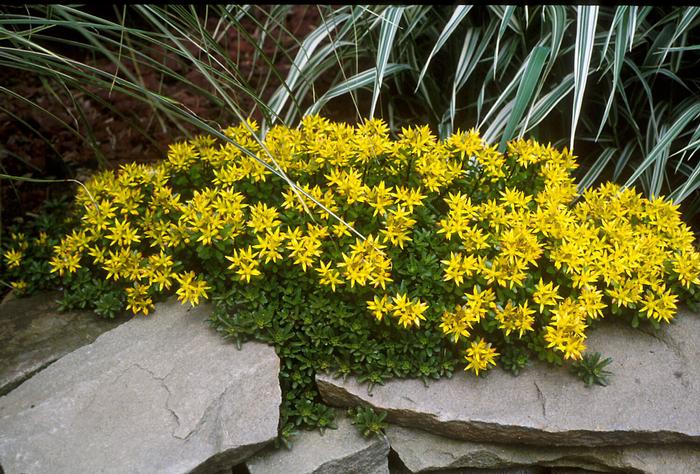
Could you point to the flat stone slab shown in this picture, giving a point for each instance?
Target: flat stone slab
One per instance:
(653, 396)
(33, 334)
(424, 452)
(340, 451)
(162, 393)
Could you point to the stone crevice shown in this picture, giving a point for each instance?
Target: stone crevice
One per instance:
(176, 417)
(542, 399)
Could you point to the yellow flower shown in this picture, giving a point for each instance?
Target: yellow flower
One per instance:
(408, 311)
(479, 356)
(13, 258)
(455, 324)
(591, 300)
(458, 267)
(629, 292)
(181, 156)
(64, 260)
(466, 144)
(513, 318)
(565, 332)
(379, 306)
(514, 198)
(263, 218)
(329, 276)
(244, 262)
(341, 229)
(379, 197)
(398, 225)
(20, 286)
(138, 300)
(659, 304)
(408, 197)
(687, 267)
(268, 246)
(191, 288)
(122, 234)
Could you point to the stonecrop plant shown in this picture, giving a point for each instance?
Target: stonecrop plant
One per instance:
(403, 257)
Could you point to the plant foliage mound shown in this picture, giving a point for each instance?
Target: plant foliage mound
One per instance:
(383, 257)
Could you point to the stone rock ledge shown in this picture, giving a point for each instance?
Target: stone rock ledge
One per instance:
(33, 335)
(163, 393)
(338, 451)
(653, 396)
(424, 452)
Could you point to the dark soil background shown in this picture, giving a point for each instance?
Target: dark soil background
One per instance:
(119, 128)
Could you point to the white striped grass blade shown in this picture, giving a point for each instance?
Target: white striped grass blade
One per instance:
(622, 160)
(523, 96)
(558, 24)
(467, 64)
(692, 143)
(690, 186)
(320, 62)
(613, 26)
(509, 89)
(363, 79)
(458, 15)
(621, 34)
(465, 60)
(693, 47)
(633, 26)
(691, 113)
(505, 19)
(586, 19)
(546, 104)
(595, 169)
(657, 176)
(687, 18)
(298, 67)
(498, 123)
(390, 24)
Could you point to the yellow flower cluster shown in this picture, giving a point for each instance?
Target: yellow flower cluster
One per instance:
(521, 256)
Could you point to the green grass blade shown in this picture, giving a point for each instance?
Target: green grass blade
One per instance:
(530, 78)
(390, 24)
(586, 20)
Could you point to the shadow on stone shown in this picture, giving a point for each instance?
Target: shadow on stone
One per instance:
(34, 334)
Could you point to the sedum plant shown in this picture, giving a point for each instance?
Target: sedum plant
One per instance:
(352, 251)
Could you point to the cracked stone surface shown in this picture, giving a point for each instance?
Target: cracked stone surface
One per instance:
(653, 395)
(423, 452)
(33, 335)
(162, 393)
(340, 451)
